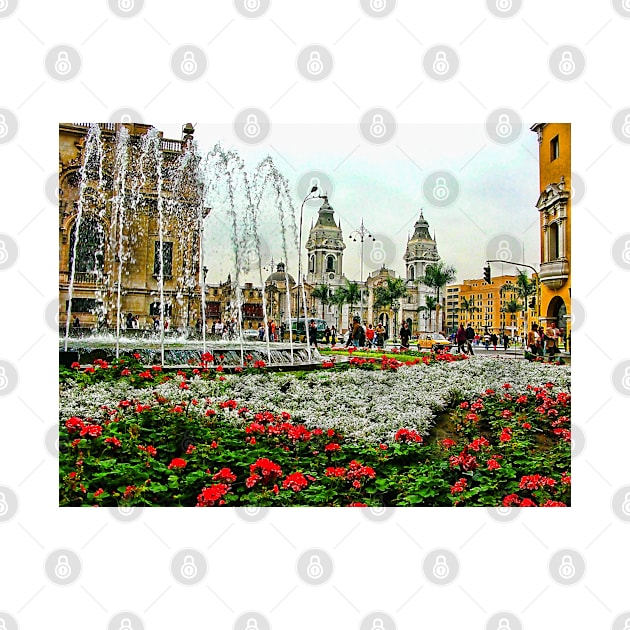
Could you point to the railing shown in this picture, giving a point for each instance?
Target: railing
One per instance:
(82, 277)
(170, 145)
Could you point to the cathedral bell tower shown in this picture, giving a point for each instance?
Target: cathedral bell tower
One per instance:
(421, 250)
(325, 249)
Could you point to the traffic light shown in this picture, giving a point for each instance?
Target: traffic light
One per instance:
(532, 303)
(486, 274)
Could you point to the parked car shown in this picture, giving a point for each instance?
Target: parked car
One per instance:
(435, 342)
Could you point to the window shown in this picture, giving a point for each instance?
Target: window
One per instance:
(167, 253)
(553, 241)
(554, 146)
(89, 246)
(82, 305)
(412, 273)
(330, 263)
(311, 264)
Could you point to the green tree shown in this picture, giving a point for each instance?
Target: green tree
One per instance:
(468, 306)
(387, 294)
(512, 307)
(353, 294)
(436, 276)
(338, 299)
(524, 287)
(322, 293)
(429, 305)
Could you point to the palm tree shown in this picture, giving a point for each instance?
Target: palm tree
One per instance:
(523, 288)
(436, 276)
(353, 293)
(386, 295)
(468, 306)
(512, 307)
(338, 299)
(430, 304)
(322, 293)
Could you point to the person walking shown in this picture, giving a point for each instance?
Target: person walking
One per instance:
(461, 338)
(551, 343)
(370, 335)
(327, 334)
(494, 340)
(506, 341)
(355, 333)
(380, 335)
(312, 333)
(333, 335)
(405, 334)
(283, 330)
(533, 340)
(470, 336)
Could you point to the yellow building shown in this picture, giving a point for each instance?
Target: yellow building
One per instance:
(485, 306)
(554, 206)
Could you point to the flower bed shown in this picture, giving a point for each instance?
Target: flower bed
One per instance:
(334, 437)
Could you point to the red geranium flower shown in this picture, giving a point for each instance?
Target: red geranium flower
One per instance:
(177, 462)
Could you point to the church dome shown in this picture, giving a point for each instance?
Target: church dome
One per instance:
(279, 275)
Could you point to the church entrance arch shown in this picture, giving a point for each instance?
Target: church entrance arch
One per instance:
(383, 318)
(557, 311)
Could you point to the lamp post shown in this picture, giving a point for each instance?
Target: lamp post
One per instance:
(361, 232)
(395, 307)
(300, 281)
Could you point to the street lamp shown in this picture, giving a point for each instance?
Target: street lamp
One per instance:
(300, 280)
(395, 307)
(362, 232)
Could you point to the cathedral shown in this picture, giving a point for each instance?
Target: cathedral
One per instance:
(325, 247)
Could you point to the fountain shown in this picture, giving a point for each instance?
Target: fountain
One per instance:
(136, 186)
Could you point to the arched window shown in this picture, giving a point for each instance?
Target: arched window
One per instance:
(412, 272)
(90, 245)
(330, 263)
(311, 264)
(553, 241)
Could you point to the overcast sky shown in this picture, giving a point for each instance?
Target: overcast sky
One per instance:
(383, 184)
